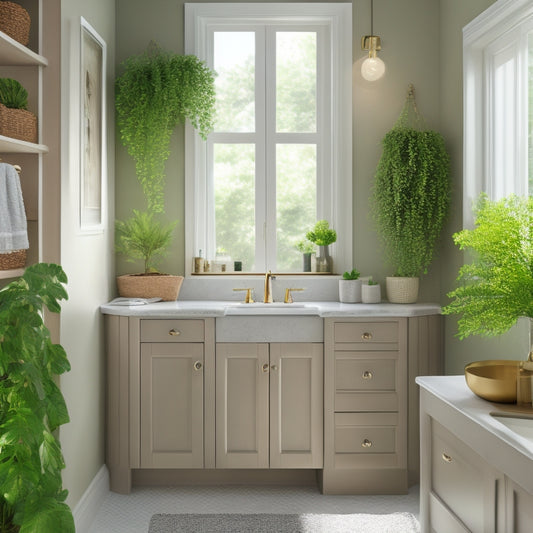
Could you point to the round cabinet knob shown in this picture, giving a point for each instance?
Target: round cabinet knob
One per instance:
(366, 336)
(198, 365)
(367, 374)
(265, 367)
(174, 332)
(274, 367)
(446, 458)
(366, 443)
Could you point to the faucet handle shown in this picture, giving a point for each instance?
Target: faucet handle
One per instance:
(288, 295)
(248, 298)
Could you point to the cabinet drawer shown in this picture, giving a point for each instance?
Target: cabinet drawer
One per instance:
(364, 433)
(457, 477)
(365, 334)
(374, 373)
(172, 330)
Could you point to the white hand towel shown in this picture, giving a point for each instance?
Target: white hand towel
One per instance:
(13, 226)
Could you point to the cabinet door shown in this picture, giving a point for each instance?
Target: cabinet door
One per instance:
(519, 508)
(296, 405)
(242, 372)
(172, 405)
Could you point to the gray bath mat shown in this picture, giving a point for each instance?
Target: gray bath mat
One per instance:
(284, 523)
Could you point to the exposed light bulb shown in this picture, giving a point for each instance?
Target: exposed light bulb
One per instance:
(372, 68)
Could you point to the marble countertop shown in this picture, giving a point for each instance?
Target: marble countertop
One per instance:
(219, 308)
(470, 418)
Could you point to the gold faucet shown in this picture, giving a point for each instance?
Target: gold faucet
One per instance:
(268, 287)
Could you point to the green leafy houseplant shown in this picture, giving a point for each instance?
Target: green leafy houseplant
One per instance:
(13, 94)
(305, 247)
(411, 194)
(322, 234)
(32, 406)
(497, 286)
(157, 91)
(354, 274)
(143, 237)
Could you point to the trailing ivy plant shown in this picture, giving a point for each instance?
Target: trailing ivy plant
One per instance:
(157, 91)
(411, 194)
(497, 285)
(143, 237)
(31, 406)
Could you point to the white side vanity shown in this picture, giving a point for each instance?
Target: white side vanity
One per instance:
(222, 392)
(476, 461)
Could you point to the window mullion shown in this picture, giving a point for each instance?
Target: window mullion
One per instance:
(270, 132)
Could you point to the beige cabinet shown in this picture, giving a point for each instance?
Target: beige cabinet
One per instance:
(370, 411)
(269, 405)
(519, 508)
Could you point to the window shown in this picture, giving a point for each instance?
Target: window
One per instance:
(280, 156)
(498, 103)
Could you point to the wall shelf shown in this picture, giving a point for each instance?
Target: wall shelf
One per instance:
(14, 146)
(14, 53)
(13, 273)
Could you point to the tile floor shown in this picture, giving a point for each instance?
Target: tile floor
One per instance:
(132, 513)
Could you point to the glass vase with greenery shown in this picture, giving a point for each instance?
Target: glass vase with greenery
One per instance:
(31, 406)
(497, 284)
(411, 194)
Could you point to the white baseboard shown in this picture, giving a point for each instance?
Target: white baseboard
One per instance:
(89, 504)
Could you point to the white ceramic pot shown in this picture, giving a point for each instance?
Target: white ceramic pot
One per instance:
(350, 291)
(371, 294)
(402, 290)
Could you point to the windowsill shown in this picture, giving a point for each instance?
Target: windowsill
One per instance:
(262, 274)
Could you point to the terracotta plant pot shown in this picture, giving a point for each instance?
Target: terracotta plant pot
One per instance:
(162, 286)
(402, 290)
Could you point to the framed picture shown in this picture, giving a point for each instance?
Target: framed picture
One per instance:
(93, 128)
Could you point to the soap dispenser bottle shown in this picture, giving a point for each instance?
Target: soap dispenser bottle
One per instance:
(524, 383)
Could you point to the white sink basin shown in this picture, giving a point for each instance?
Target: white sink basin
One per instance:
(520, 424)
(274, 308)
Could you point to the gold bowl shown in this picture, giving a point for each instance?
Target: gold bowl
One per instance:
(493, 380)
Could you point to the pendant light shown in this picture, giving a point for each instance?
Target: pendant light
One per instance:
(373, 67)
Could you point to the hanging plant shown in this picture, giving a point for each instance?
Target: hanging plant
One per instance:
(157, 91)
(411, 194)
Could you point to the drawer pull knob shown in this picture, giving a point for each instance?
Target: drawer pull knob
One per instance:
(366, 443)
(367, 374)
(274, 367)
(366, 336)
(174, 332)
(198, 365)
(446, 458)
(265, 367)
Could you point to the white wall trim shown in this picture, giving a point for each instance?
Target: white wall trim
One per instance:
(89, 504)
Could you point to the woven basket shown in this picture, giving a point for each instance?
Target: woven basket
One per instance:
(15, 22)
(161, 286)
(12, 260)
(18, 124)
(402, 290)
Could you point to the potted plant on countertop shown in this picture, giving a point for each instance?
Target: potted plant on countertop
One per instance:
(307, 249)
(350, 287)
(411, 198)
(157, 91)
(497, 285)
(322, 235)
(371, 292)
(32, 407)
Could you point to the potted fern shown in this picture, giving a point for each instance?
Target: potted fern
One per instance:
(31, 405)
(411, 198)
(497, 285)
(157, 91)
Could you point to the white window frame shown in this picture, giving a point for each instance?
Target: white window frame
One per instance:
(501, 29)
(333, 22)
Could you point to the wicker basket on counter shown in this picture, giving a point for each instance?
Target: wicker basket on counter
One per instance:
(18, 124)
(15, 22)
(12, 260)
